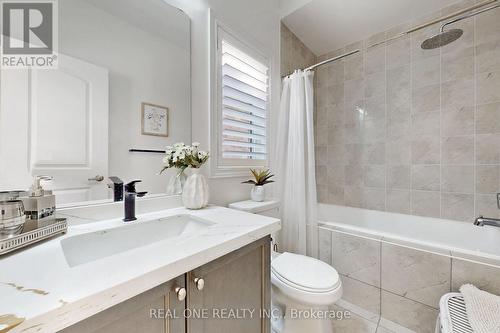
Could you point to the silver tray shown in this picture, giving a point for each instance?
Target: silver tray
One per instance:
(33, 232)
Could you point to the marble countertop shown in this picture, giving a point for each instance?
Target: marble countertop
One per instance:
(40, 292)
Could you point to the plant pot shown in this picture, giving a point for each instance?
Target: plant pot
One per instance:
(258, 193)
(195, 192)
(176, 183)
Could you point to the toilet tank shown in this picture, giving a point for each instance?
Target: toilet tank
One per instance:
(267, 208)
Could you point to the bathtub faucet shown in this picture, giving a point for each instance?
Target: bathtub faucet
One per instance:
(482, 221)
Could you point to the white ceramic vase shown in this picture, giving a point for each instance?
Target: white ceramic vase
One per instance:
(195, 192)
(258, 193)
(176, 183)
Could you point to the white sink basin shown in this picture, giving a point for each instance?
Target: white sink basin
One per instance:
(92, 246)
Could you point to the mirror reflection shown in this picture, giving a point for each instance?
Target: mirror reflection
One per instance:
(119, 96)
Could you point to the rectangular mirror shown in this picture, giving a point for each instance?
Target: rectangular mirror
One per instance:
(122, 83)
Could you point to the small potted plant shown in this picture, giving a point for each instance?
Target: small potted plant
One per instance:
(261, 178)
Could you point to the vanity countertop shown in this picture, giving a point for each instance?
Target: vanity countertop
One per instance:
(40, 292)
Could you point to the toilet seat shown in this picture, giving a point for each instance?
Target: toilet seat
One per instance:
(306, 279)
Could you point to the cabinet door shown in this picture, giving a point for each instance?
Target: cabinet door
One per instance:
(238, 282)
(155, 311)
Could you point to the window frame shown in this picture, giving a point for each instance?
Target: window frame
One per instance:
(232, 167)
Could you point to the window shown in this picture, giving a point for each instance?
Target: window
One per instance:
(242, 95)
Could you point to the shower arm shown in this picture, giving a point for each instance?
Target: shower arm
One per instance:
(468, 15)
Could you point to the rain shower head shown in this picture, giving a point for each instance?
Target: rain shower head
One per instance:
(449, 36)
(442, 39)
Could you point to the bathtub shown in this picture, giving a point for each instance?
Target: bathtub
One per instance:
(395, 268)
(460, 238)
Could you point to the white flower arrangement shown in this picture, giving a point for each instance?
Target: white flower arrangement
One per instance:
(180, 156)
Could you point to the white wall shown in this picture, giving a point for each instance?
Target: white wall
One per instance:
(147, 54)
(258, 21)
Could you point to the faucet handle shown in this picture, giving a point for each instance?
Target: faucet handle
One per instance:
(130, 187)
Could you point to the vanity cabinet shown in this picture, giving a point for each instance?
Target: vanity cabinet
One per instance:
(225, 295)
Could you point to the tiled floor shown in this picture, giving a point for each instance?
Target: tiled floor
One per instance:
(358, 324)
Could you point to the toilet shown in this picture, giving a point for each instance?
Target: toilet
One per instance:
(303, 288)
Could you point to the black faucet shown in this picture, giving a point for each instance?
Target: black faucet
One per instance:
(117, 186)
(130, 194)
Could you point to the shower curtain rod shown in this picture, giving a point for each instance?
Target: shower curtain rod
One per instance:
(326, 61)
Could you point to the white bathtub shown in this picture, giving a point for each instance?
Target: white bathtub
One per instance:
(461, 239)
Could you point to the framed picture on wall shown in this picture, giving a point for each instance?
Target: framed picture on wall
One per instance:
(154, 119)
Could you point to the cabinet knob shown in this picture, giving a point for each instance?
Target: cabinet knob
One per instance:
(200, 283)
(181, 293)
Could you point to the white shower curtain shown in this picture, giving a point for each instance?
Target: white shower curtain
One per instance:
(296, 165)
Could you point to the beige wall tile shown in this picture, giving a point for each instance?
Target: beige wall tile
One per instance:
(426, 71)
(353, 67)
(336, 194)
(457, 178)
(457, 94)
(375, 60)
(398, 152)
(357, 258)
(325, 245)
(488, 26)
(488, 57)
(426, 151)
(353, 196)
(426, 124)
(487, 87)
(482, 276)
(374, 175)
(425, 203)
(420, 276)
(426, 99)
(415, 316)
(398, 53)
(455, 206)
(488, 149)
(487, 179)
(398, 177)
(488, 118)
(398, 201)
(426, 177)
(374, 198)
(457, 122)
(458, 150)
(458, 65)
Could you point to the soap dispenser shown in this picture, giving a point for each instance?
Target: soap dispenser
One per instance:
(39, 204)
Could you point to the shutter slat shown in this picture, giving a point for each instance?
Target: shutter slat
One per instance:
(256, 156)
(239, 105)
(243, 144)
(244, 88)
(243, 67)
(243, 97)
(245, 126)
(243, 115)
(245, 136)
(243, 77)
(245, 92)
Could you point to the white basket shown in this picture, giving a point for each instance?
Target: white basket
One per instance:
(453, 315)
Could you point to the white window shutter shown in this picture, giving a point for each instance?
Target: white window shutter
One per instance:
(244, 104)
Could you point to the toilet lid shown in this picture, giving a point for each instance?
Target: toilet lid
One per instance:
(305, 273)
